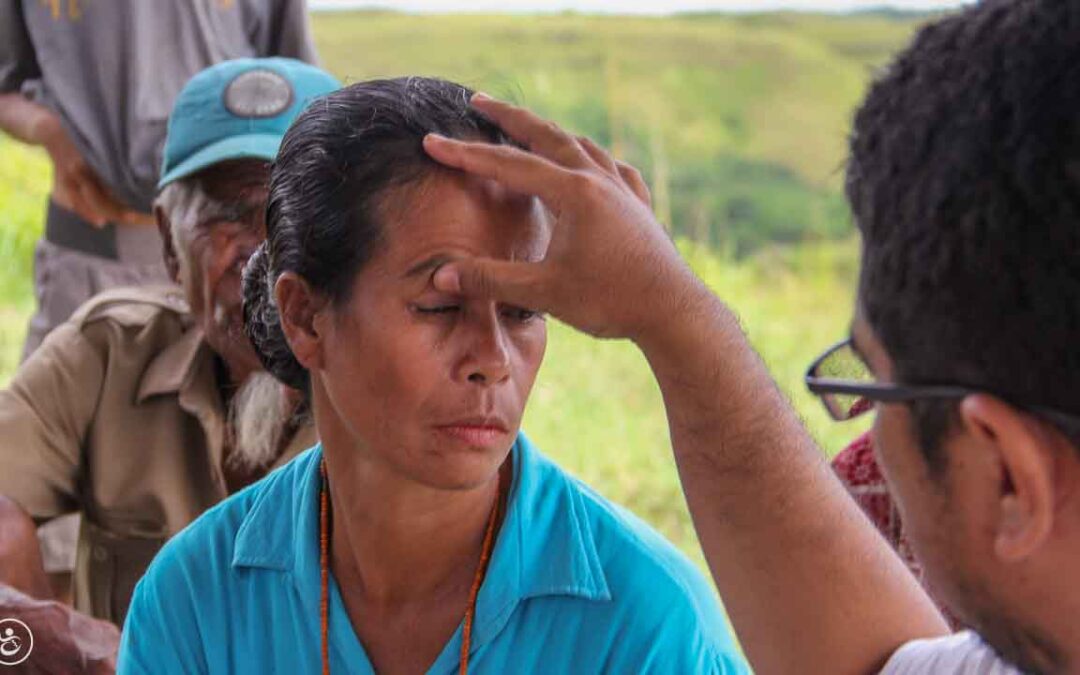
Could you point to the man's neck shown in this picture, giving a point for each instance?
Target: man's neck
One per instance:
(1051, 636)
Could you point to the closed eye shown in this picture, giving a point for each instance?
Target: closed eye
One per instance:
(438, 309)
(521, 314)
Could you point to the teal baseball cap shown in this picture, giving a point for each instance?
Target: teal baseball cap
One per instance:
(238, 109)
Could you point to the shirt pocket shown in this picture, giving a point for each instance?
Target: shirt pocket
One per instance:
(108, 567)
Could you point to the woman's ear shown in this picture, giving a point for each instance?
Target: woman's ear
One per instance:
(1026, 490)
(299, 308)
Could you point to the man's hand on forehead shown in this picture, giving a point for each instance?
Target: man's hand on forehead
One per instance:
(610, 269)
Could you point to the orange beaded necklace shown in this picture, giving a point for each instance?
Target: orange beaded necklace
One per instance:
(324, 569)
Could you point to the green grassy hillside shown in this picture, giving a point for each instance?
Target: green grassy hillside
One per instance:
(739, 124)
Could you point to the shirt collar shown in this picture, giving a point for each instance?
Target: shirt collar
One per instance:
(173, 366)
(545, 546)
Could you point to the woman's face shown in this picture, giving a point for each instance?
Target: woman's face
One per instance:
(429, 385)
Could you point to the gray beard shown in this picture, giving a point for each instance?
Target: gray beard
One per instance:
(257, 419)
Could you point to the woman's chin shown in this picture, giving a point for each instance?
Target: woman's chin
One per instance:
(460, 464)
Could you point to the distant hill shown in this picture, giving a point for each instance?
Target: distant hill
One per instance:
(897, 13)
(738, 121)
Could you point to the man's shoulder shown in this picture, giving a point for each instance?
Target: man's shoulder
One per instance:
(963, 653)
(134, 307)
(138, 323)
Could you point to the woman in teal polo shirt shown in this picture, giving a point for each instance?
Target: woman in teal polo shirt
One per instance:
(425, 533)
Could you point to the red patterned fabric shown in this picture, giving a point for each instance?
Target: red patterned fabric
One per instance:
(858, 469)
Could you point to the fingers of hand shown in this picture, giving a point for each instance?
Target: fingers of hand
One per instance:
(95, 198)
(514, 283)
(545, 139)
(514, 168)
(72, 192)
(633, 179)
(98, 204)
(540, 136)
(598, 155)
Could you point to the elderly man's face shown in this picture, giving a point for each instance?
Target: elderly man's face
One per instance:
(224, 225)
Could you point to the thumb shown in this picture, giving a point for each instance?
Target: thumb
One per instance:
(513, 283)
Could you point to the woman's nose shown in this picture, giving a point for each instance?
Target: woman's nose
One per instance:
(488, 357)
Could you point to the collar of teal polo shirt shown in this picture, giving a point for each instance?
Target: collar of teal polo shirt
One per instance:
(545, 545)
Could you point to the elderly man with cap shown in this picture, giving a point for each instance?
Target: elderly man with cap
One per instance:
(92, 84)
(149, 405)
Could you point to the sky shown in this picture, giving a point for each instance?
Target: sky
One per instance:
(630, 6)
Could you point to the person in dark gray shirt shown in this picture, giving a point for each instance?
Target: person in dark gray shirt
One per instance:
(93, 84)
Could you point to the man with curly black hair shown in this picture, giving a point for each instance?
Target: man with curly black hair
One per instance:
(965, 183)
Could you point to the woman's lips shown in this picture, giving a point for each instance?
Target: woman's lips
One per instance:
(477, 435)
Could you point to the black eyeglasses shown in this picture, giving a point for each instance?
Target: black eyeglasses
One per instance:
(846, 387)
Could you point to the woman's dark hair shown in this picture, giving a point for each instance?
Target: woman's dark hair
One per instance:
(338, 160)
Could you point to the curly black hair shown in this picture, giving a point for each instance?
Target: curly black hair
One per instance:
(964, 180)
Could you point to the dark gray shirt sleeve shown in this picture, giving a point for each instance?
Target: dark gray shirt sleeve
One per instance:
(17, 60)
(288, 33)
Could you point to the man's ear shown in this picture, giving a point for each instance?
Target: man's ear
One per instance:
(1026, 453)
(168, 251)
(301, 311)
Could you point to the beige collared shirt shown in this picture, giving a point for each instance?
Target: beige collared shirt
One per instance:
(118, 415)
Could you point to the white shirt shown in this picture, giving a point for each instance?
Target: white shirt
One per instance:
(961, 654)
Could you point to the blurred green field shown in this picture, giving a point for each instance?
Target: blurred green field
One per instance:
(739, 124)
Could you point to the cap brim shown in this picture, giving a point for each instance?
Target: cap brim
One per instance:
(250, 146)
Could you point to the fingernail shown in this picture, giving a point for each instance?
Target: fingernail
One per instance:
(480, 97)
(434, 142)
(447, 280)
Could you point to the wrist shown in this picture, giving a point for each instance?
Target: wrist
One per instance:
(698, 343)
(678, 315)
(44, 130)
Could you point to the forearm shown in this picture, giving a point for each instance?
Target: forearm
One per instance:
(20, 555)
(808, 583)
(24, 119)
